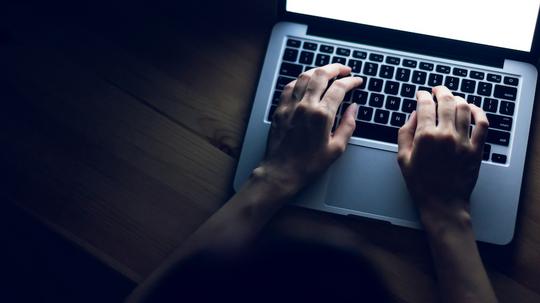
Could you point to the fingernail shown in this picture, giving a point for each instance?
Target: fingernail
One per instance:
(355, 109)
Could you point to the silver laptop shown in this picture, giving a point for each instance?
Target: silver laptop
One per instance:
(483, 50)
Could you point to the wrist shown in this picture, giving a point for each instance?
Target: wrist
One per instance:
(278, 180)
(442, 217)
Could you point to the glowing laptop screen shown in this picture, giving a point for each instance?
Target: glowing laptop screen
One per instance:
(500, 23)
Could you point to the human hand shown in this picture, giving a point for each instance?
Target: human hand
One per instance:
(301, 145)
(439, 162)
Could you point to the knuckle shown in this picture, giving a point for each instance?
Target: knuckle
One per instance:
(446, 98)
(426, 135)
(482, 123)
(304, 76)
(319, 113)
(320, 72)
(463, 106)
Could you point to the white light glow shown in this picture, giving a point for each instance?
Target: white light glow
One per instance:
(501, 23)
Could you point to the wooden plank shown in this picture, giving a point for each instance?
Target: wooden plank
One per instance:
(104, 166)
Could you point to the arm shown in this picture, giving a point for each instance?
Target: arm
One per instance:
(300, 148)
(440, 164)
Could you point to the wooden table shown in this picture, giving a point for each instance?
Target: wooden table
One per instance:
(122, 124)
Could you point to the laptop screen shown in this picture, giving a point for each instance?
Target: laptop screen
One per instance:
(500, 23)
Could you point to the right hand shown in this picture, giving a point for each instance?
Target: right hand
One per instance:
(439, 162)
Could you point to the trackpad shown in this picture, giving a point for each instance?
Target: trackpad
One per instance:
(369, 180)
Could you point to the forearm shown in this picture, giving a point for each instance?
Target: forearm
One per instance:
(461, 274)
(229, 229)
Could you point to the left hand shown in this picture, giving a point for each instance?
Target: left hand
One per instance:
(301, 145)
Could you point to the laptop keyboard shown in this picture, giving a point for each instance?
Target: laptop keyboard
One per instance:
(387, 96)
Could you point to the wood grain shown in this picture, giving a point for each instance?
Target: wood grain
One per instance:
(123, 127)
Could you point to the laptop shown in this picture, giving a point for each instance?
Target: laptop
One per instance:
(482, 50)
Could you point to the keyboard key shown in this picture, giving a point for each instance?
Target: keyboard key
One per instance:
(356, 65)
(398, 119)
(425, 88)
(498, 137)
(487, 151)
(365, 113)
(290, 54)
(282, 81)
(343, 51)
(451, 82)
(308, 68)
(306, 57)
(499, 122)
(364, 82)
(392, 60)
(498, 158)
(326, 49)
(276, 97)
(403, 74)
(477, 75)
(360, 96)
(322, 59)
(408, 90)
(419, 77)
(376, 132)
(468, 86)
(391, 87)
(476, 100)
(289, 69)
(370, 69)
(375, 85)
(293, 43)
(507, 108)
(494, 78)
(392, 103)
(511, 81)
(505, 92)
(359, 54)
(445, 69)
(381, 116)
(376, 57)
(339, 60)
(484, 89)
(459, 72)
(435, 80)
(271, 112)
(458, 94)
(408, 106)
(409, 63)
(310, 46)
(490, 105)
(376, 100)
(386, 72)
(426, 66)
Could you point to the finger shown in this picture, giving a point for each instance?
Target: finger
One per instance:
(286, 96)
(463, 118)
(479, 133)
(425, 111)
(336, 92)
(406, 136)
(446, 107)
(301, 85)
(345, 129)
(320, 78)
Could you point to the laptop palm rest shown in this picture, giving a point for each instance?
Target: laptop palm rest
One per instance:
(368, 182)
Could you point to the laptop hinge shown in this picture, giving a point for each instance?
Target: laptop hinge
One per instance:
(406, 42)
